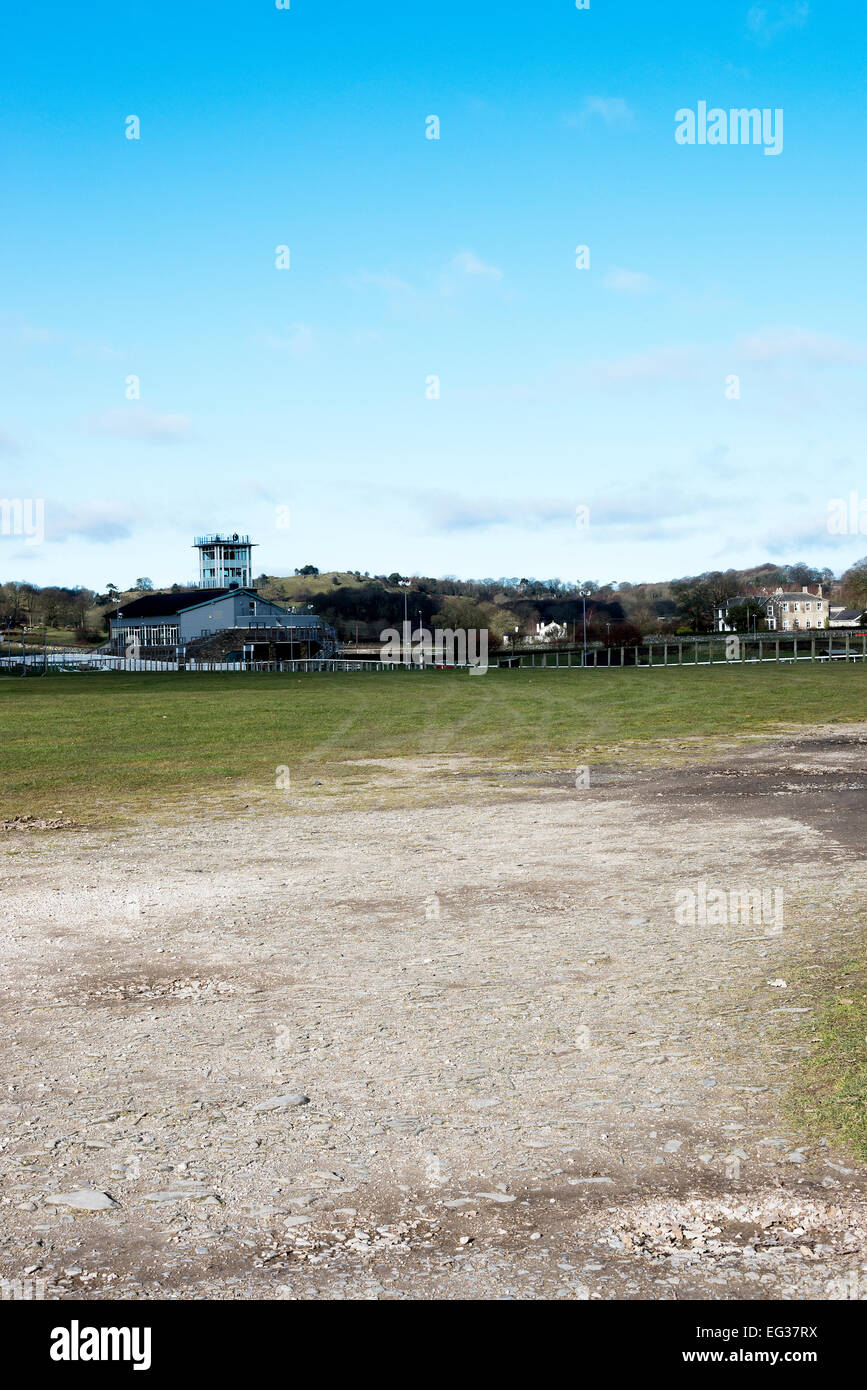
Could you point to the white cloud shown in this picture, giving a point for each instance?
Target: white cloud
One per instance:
(766, 22)
(786, 344)
(448, 512)
(297, 340)
(628, 281)
(666, 509)
(671, 363)
(90, 522)
(392, 284)
(612, 110)
(466, 267)
(470, 264)
(19, 331)
(139, 423)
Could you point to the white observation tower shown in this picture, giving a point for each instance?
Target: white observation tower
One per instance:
(224, 561)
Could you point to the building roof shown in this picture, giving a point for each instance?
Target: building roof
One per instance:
(219, 538)
(846, 614)
(213, 594)
(800, 594)
(157, 605)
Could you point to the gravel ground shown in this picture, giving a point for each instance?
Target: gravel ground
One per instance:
(462, 1049)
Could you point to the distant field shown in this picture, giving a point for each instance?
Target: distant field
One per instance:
(99, 746)
(55, 637)
(295, 586)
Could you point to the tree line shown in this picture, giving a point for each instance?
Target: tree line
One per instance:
(356, 603)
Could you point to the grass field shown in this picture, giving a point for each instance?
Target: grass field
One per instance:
(99, 746)
(830, 1095)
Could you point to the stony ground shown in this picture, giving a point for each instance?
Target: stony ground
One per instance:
(459, 1047)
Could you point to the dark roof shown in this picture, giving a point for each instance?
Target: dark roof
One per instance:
(156, 605)
(800, 594)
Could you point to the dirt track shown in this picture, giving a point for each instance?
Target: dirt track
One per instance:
(524, 1077)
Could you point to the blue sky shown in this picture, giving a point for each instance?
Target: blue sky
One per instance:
(412, 258)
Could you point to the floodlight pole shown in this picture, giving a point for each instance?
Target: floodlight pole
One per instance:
(584, 616)
(406, 647)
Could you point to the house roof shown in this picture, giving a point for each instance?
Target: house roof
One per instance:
(158, 605)
(846, 614)
(801, 594)
(214, 594)
(183, 600)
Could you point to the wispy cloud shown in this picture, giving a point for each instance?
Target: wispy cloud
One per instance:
(21, 332)
(665, 511)
(794, 348)
(470, 264)
(464, 268)
(18, 330)
(628, 281)
(90, 522)
(139, 423)
(297, 340)
(614, 111)
(658, 364)
(449, 512)
(392, 284)
(800, 345)
(766, 22)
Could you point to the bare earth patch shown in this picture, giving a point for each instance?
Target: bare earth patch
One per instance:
(448, 1048)
(38, 823)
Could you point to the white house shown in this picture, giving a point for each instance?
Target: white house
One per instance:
(550, 632)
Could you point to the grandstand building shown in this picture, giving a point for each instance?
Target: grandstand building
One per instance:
(223, 622)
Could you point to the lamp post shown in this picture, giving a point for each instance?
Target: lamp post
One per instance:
(583, 593)
(404, 584)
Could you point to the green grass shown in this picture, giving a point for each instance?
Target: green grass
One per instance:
(98, 745)
(35, 641)
(829, 1098)
(297, 585)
